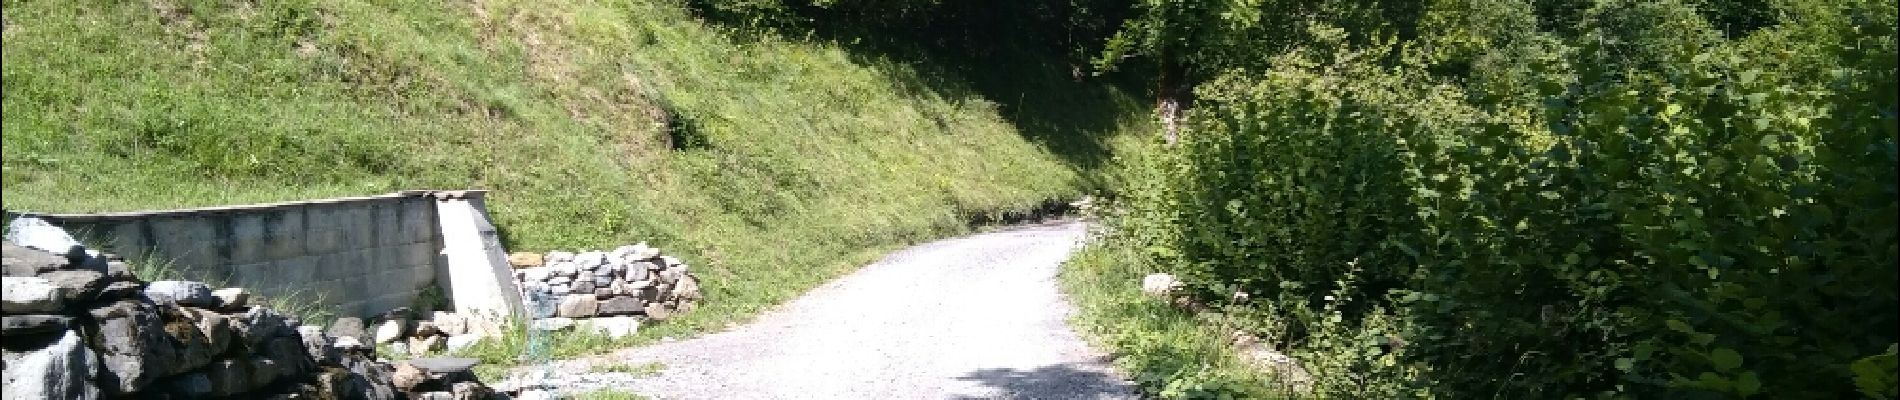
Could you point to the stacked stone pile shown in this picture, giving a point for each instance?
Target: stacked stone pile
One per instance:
(406, 335)
(78, 325)
(615, 287)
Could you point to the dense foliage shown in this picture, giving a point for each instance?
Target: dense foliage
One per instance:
(1522, 200)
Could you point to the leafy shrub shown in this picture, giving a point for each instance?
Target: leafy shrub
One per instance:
(1641, 209)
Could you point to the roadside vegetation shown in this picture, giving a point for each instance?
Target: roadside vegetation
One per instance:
(1517, 199)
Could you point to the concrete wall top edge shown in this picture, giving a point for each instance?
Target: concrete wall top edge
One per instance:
(434, 194)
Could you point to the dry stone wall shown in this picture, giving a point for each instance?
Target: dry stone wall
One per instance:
(608, 291)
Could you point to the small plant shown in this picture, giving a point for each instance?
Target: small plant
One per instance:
(639, 370)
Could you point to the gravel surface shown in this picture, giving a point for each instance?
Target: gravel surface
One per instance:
(973, 317)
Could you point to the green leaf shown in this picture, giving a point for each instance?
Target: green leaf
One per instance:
(1725, 359)
(1678, 326)
(1747, 384)
(1625, 364)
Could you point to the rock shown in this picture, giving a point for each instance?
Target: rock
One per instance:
(1159, 285)
(649, 294)
(1281, 366)
(623, 252)
(559, 291)
(444, 365)
(264, 371)
(535, 395)
(624, 305)
(80, 285)
(398, 348)
(62, 370)
(578, 306)
(566, 269)
(536, 274)
(590, 259)
(424, 345)
(317, 345)
(390, 331)
(119, 290)
(483, 326)
(24, 261)
(185, 293)
(289, 355)
(228, 377)
(36, 233)
(435, 395)
(551, 324)
(13, 326)
(657, 311)
(372, 380)
(472, 391)
(407, 377)
(586, 286)
(450, 323)
(195, 385)
(426, 328)
(458, 342)
(614, 327)
(672, 274)
(526, 260)
(216, 328)
(30, 295)
(560, 280)
(259, 324)
(639, 272)
(670, 261)
(193, 347)
(132, 345)
(232, 298)
(559, 257)
(348, 343)
(348, 327)
(687, 288)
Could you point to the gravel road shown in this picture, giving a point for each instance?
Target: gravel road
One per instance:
(976, 317)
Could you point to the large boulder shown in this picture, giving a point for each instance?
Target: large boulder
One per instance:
(81, 286)
(259, 325)
(132, 345)
(62, 370)
(23, 261)
(289, 356)
(30, 295)
(216, 328)
(15, 326)
(229, 377)
(36, 233)
(193, 348)
(185, 293)
(317, 345)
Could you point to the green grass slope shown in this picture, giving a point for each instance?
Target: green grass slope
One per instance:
(770, 164)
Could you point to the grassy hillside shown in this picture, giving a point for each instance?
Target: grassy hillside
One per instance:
(771, 164)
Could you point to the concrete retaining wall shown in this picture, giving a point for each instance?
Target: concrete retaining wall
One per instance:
(358, 256)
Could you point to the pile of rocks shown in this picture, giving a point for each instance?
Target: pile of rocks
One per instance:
(79, 325)
(612, 287)
(407, 336)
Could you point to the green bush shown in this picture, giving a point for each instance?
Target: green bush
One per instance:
(1641, 209)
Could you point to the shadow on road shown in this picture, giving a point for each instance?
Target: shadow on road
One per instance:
(1060, 381)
